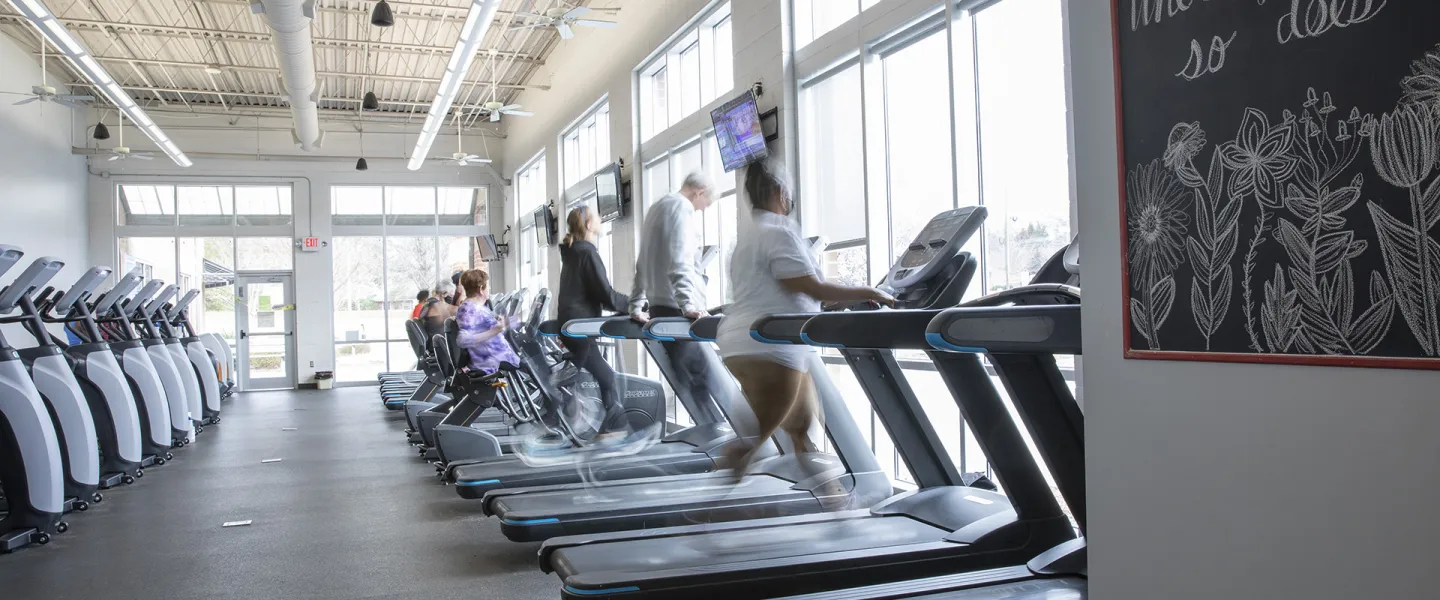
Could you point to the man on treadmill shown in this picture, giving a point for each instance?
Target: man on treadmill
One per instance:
(666, 276)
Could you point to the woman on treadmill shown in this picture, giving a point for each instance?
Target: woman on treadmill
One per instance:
(585, 292)
(773, 272)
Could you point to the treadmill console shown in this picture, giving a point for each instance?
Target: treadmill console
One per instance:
(935, 244)
(82, 288)
(37, 274)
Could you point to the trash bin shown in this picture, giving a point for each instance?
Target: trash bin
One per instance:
(324, 379)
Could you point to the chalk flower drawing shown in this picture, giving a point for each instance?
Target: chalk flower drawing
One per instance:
(1423, 85)
(1186, 141)
(1403, 147)
(1316, 315)
(1217, 229)
(1157, 219)
(1259, 156)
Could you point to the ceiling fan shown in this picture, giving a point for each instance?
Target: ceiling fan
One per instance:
(47, 93)
(562, 18)
(496, 107)
(121, 152)
(460, 158)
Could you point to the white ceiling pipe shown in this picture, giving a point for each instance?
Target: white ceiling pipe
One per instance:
(291, 21)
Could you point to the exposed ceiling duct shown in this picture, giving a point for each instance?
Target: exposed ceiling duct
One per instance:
(291, 21)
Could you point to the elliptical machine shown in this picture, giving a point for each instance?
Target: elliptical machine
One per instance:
(182, 429)
(176, 326)
(155, 320)
(151, 403)
(112, 405)
(51, 374)
(30, 464)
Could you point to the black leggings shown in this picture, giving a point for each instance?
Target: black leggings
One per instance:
(688, 360)
(585, 353)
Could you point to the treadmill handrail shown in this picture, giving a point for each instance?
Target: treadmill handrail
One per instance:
(622, 327)
(1010, 329)
(886, 329)
(583, 328)
(669, 329)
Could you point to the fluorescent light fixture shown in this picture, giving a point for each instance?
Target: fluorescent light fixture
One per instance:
(60, 36)
(50, 27)
(36, 9)
(477, 22)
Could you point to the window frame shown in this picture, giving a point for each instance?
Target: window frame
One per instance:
(385, 230)
(665, 67)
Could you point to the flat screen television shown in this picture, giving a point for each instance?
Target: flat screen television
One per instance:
(608, 192)
(544, 226)
(738, 132)
(485, 244)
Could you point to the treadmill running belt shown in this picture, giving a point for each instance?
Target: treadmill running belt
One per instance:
(636, 499)
(1006, 583)
(710, 551)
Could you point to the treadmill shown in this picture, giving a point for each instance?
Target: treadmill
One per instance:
(939, 528)
(700, 448)
(1020, 330)
(691, 450)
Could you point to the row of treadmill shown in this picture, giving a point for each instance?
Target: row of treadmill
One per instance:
(91, 410)
(674, 521)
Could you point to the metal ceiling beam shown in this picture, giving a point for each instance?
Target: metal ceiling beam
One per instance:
(328, 115)
(173, 90)
(396, 4)
(258, 37)
(195, 65)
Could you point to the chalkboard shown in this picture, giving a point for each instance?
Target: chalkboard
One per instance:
(1281, 180)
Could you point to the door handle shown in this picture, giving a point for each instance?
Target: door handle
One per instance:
(242, 334)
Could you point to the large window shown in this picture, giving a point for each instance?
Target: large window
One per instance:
(532, 255)
(587, 145)
(390, 243)
(698, 67)
(880, 155)
(204, 205)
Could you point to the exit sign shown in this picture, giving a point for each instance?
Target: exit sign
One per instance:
(310, 244)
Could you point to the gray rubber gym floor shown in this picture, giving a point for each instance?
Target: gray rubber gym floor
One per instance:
(349, 512)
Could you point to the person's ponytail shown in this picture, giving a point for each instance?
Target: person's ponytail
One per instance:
(575, 222)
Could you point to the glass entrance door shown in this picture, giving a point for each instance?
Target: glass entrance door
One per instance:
(266, 331)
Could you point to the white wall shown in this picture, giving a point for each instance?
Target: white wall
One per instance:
(312, 182)
(42, 186)
(1236, 481)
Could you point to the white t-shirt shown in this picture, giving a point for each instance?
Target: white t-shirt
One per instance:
(774, 250)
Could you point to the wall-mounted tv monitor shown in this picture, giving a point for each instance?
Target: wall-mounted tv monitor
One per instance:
(544, 226)
(485, 244)
(608, 192)
(738, 132)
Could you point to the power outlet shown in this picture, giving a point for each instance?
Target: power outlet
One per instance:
(312, 364)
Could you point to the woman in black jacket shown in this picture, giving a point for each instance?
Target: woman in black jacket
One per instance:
(585, 292)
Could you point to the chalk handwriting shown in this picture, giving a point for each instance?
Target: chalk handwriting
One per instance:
(1149, 12)
(1320, 16)
(1201, 63)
